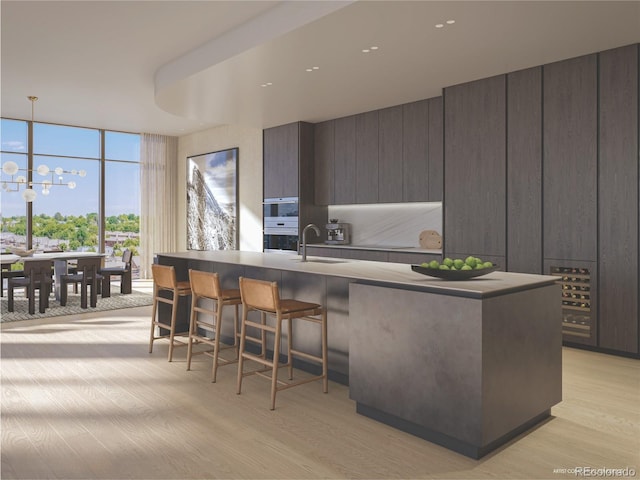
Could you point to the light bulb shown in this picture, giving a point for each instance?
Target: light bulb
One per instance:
(45, 191)
(29, 195)
(71, 185)
(82, 173)
(21, 179)
(58, 170)
(74, 172)
(42, 170)
(10, 168)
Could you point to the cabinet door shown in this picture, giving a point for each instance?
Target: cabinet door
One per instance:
(280, 161)
(436, 150)
(323, 162)
(415, 164)
(570, 132)
(345, 160)
(618, 199)
(524, 171)
(390, 155)
(474, 171)
(370, 255)
(367, 157)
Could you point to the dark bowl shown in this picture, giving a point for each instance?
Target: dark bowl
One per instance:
(453, 274)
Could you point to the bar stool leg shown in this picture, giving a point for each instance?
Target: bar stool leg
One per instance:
(192, 328)
(172, 331)
(216, 340)
(276, 355)
(325, 362)
(243, 334)
(154, 310)
(290, 347)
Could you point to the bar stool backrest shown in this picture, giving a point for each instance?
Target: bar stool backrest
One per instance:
(164, 276)
(205, 284)
(260, 294)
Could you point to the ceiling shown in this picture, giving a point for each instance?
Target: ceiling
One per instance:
(175, 67)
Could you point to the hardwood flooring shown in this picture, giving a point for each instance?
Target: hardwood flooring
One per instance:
(82, 399)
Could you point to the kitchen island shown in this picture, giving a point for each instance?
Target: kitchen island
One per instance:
(468, 364)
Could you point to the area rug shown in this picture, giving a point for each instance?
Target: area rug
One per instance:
(114, 302)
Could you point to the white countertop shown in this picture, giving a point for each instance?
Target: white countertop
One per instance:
(384, 248)
(391, 274)
(13, 258)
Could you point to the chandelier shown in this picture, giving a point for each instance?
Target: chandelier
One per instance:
(54, 178)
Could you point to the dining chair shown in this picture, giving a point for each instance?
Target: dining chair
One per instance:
(87, 276)
(124, 271)
(37, 276)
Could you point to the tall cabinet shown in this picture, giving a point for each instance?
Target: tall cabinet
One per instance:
(618, 203)
(288, 166)
(475, 169)
(570, 185)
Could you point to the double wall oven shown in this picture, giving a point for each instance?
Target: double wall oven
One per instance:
(280, 224)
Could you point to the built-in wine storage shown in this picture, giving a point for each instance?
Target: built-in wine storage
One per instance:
(577, 306)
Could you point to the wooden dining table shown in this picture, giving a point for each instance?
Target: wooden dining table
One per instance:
(60, 261)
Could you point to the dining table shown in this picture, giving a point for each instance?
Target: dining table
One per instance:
(60, 261)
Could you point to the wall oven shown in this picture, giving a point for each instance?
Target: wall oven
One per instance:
(280, 224)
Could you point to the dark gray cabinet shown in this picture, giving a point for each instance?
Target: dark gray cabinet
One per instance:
(390, 155)
(570, 133)
(475, 163)
(415, 142)
(324, 148)
(373, 255)
(435, 151)
(366, 181)
(618, 199)
(524, 171)
(280, 161)
(344, 163)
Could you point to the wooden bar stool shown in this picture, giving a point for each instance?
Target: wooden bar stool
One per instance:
(164, 280)
(206, 286)
(264, 297)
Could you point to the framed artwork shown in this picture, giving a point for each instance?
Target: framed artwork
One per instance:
(212, 201)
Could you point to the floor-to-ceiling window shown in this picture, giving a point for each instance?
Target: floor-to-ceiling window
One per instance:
(86, 184)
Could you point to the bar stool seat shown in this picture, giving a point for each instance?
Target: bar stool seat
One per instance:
(206, 286)
(264, 297)
(164, 280)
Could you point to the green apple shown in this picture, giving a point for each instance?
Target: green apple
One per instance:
(434, 264)
(444, 267)
(487, 264)
(471, 261)
(466, 267)
(458, 263)
(447, 261)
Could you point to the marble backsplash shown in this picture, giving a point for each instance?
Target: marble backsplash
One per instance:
(389, 224)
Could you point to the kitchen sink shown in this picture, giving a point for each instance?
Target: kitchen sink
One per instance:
(319, 260)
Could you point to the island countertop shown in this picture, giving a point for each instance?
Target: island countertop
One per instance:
(391, 274)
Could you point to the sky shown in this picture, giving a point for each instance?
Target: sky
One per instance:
(56, 143)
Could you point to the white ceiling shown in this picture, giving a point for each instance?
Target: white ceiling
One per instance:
(175, 67)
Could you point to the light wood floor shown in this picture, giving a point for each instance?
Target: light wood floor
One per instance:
(82, 399)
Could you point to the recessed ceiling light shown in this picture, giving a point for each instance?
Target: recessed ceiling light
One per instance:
(451, 22)
(365, 50)
(316, 68)
(374, 48)
(269, 84)
(309, 69)
(439, 25)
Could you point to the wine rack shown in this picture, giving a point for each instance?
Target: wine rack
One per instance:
(576, 300)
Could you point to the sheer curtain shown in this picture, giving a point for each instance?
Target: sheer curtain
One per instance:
(159, 159)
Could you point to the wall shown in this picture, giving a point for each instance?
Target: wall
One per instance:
(249, 142)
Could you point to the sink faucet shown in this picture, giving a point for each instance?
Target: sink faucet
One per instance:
(304, 239)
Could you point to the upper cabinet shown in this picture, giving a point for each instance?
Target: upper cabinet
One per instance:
(383, 156)
(475, 168)
(280, 157)
(324, 148)
(570, 157)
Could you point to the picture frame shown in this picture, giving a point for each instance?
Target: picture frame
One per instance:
(212, 200)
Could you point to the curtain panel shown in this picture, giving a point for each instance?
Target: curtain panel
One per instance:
(158, 173)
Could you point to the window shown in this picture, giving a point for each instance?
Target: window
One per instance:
(67, 214)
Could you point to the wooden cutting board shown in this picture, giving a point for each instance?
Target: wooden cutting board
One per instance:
(430, 239)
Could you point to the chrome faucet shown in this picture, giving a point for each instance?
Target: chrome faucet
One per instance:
(304, 239)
